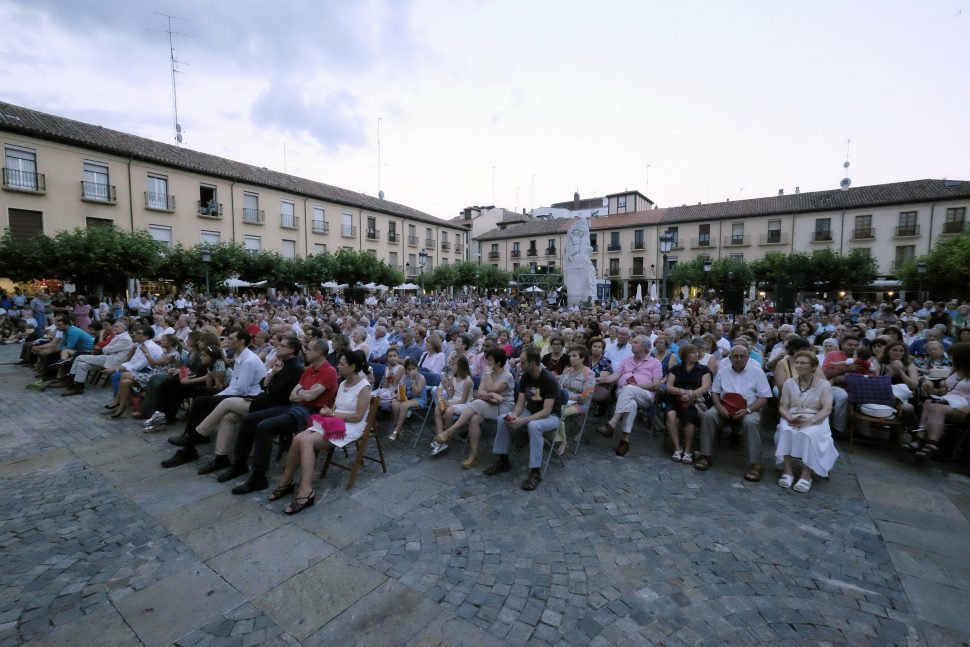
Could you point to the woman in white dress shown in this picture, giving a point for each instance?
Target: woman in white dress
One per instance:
(351, 405)
(803, 433)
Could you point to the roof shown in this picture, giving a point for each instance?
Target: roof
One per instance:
(539, 227)
(17, 119)
(863, 197)
(634, 192)
(587, 203)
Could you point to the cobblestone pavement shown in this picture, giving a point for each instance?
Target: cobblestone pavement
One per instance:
(103, 547)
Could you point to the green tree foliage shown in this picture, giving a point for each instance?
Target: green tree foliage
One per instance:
(724, 272)
(947, 266)
(458, 275)
(823, 270)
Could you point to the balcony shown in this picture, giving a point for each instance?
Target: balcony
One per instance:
(613, 247)
(98, 192)
(775, 237)
(822, 236)
(209, 209)
(737, 240)
(159, 201)
(636, 270)
(516, 253)
(26, 181)
(392, 237)
(254, 216)
(348, 231)
(638, 245)
(289, 221)
(953, 227)
(595, 247)
(445, 246)
(493, 255)
(396, 268)
(373, 234)
(898, 263)
(701, 243)
(863, 233)
(412, 241)
(429, 243)
(906, 231)
(532, 251)
(677, 244)
(321, 227)
(613, 271)
(550, 251)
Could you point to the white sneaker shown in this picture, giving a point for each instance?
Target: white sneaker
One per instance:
(157, 419)
(437, 449)
(677, 456)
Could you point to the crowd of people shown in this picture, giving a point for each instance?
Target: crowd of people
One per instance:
(301, 370)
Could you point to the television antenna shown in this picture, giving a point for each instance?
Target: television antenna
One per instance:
(846, 182)
(380, 190)
(173, 63)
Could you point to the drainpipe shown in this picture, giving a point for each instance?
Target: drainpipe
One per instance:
(232, 209)
(131, 198)
(929, 238)
(306, 234)
(842, 232)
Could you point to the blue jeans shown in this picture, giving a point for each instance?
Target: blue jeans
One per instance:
(536, 430)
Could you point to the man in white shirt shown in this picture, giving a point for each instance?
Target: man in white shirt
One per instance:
(747, 380)
(112, 355)
(378, 344)
(618, 351)
(247, 374)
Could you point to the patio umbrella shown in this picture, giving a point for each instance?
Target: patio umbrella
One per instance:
(407, 286)
(638, 297)
(368, 286)
(381, 288)
(534, 288)
(237, 283)
(330, 285)
(653, 291)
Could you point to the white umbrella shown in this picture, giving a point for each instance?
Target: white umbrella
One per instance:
(638, 297)
(236, 283)
(653, 291)
(753, 292)
(381, 288)
(343, 286)
(534, 288)
(330, 285)
(369, 286)
(685, 292)
(407, 286)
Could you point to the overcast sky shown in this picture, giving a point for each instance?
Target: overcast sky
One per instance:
(685, 101)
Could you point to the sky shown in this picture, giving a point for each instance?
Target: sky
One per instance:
(519, 103)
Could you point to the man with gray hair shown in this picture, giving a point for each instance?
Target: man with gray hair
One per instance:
(113, 355)
(621, 349)
(637, 378)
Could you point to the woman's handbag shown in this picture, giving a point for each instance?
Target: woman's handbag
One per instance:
(332, 427)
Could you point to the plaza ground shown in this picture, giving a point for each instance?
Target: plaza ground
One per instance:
(101, 546)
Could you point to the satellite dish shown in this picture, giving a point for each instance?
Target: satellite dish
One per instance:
(380, 194)
(845, 183)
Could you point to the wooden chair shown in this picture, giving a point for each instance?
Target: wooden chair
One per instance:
(864, 389)
(370, 432)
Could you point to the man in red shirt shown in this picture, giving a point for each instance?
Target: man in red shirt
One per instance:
(837, 363)
(317, 388)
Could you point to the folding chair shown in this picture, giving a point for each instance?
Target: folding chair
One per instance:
(582, 427)
(550, 443)
(432, 382)
(866, 389)
(370, 432)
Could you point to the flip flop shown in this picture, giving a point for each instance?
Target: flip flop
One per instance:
(802, 486)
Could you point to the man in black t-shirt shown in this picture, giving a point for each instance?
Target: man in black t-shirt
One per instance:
(539, 396)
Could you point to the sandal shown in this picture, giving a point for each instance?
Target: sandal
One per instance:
(927, 450)
(803, 485)
(300, 503)
(606, 429)
(688, 458)
(469, 462)
(786, 480)
(561, 447)
(280, 492)
(532, 482)
(677, 456)
(394, 435)
(755, 472)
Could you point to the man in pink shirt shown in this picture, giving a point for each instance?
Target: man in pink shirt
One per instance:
(638, 378)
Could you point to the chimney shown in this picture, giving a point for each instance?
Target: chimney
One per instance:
(797, 190)
(523, 211)
(781, 192)
(576, 201)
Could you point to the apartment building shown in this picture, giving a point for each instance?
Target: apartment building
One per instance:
(60, 174)
(892, 222)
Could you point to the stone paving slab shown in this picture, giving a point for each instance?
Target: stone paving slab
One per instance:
(345, 521)
(170, 608)
(104, 628)
(307, 601)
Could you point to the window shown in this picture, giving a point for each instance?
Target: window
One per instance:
(208, 201)
(412, 265)
(614, 241)
(736, 258)
(614, 267)
(532, 248)
(637, 266)
(391, 231)
(161, 234)
(551, 246)
(428, 238)
(95, 184)
(92, 223)
(319, 248)
(955, 217)
(638, 239)
(621, 202)
(774, 231)
(907, 224)
(252, 243)
(674, 237)
(319, 220)
(515, 266)
(863, 227)
(25, 225)
(823, 229)
(20, 170)
(903, 254)
(592, 241)
(392, 260)
(157, 195)
(515, 246)
(251, 212)
(704, 235)
(210, 237)
(737, 233)
(372, 228)
(347, 225)
(288, 215)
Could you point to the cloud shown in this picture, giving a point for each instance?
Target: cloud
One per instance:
(332, 121)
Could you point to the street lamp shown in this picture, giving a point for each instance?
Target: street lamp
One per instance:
(666, 244)
(422, 260)
(478, 291)
(206, 259)
(921, 271)
(707, 273)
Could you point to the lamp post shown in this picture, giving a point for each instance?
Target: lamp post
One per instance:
(666, 244)
(206, 259)
(478, 291)
(921, 271)
(422, 260)
(707, 273)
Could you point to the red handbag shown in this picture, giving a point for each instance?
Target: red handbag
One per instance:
(332, 427)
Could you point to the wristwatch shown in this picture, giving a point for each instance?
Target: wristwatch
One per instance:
(748, 410)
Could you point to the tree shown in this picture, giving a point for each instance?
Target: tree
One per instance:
(725, 272)
(946, 265)
(823, 270)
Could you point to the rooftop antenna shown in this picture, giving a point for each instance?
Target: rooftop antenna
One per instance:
(284, 156)
(173, 62)
(646, 188)
(493, 185)
(846, 182)
(380, 191)
(532, 200)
